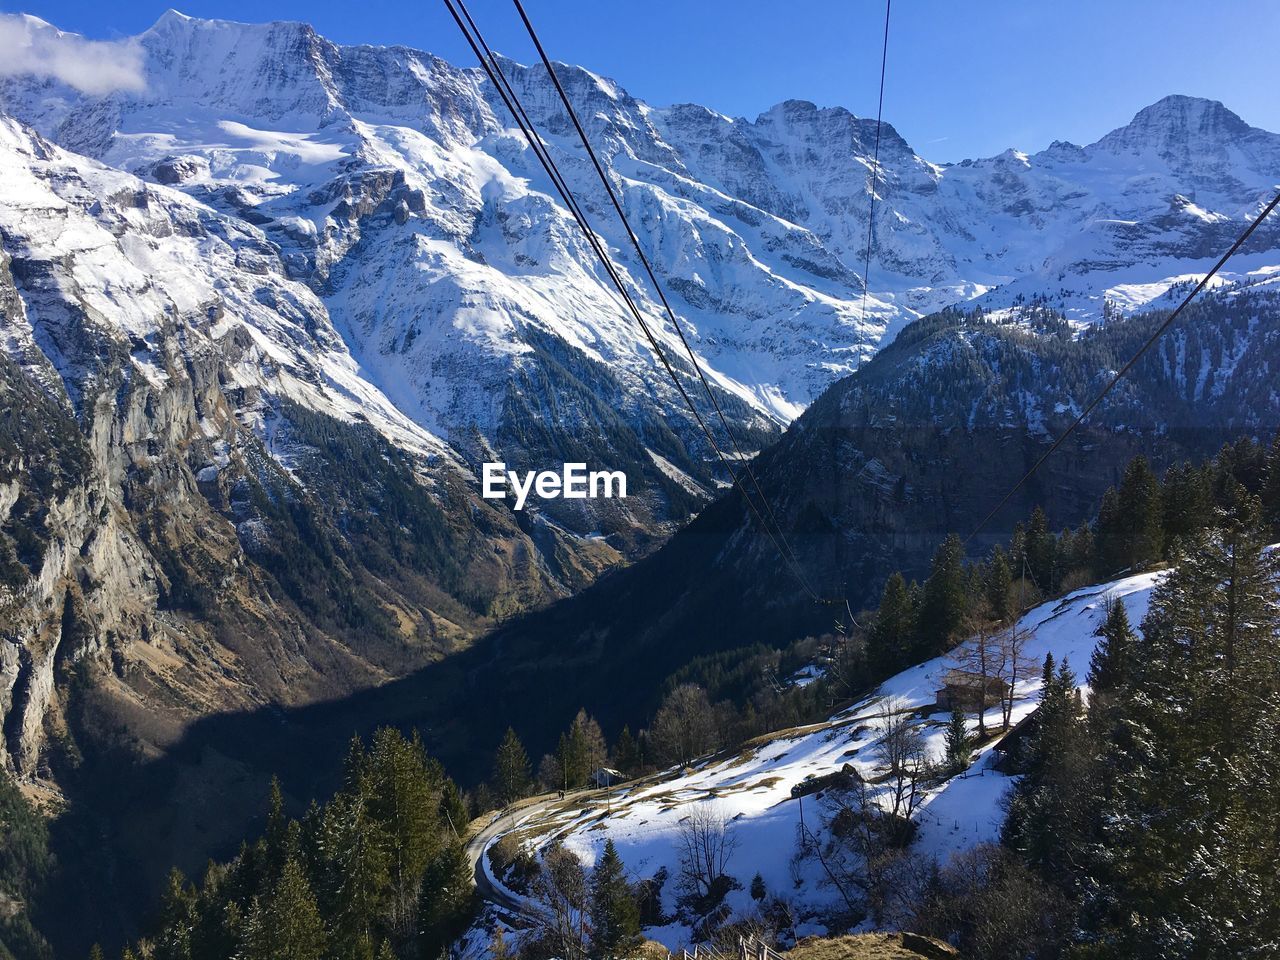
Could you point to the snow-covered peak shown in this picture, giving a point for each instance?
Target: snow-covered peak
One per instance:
(804, 119)
(1199, 143)
(1178, 119)
(272, 70)
(397, 189)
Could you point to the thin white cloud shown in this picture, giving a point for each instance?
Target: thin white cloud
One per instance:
(32, 47)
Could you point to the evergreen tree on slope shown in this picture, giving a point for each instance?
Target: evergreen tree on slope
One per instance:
(945, 601)
(511, 776)
(615, 915)
(1186, 866)
(890, 640)
(286, 925)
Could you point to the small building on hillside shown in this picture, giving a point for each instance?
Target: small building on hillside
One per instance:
(606, 777)
(1011, 751)
(965, 690)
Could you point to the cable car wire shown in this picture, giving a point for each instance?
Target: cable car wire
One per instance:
(875, 165)
(1120, 374)
(653, 279)
(492, 68)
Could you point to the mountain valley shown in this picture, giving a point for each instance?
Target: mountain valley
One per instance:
(265, 316)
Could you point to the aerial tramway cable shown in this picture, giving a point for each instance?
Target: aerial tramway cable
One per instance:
(866, 266)
(509, 97)
(489, 62)
(784, 546)
(875, 164)
(1120, 374)
(653, 279)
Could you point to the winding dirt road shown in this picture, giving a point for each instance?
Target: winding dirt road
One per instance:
(485, 832)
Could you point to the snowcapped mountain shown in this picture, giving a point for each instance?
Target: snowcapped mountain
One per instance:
(198, 489)
(359, 231)
(267, 305)
(394, 186)
(267, 228)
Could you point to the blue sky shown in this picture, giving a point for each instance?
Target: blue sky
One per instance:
(966, 77)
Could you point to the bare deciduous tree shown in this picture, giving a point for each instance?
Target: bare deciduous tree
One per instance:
(980, 659)
(707, 844)
(563, 892)
(685, 726)
(1015, 666)
(901, 752)
(847, 664)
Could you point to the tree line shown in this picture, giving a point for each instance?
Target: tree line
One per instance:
(377, 872)
(1143, 823)
(1138, 525)
(721, 701)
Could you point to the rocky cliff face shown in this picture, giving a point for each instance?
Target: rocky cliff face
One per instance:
(205, 522)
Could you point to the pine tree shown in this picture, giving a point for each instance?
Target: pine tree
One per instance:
(1189, 850)
(286, 925)
(1141, 515)
(453, 808)
(448, 898)
(891, 637)
(177, 917)
(1078, 555)
(998, 585)
(1187, 502)
(273, 847)
(581, 751)
(957, 743)
(402, 800)
(356, 765)
(1109, 536)
(1111, 665)
(220, 924)
(357, 870)
(1049, 805)
(567, 766)
(1042, 552)
(944, 605)
(626, 752)
(1271, 491)
(511, 775)
(615, 915)
(1242, 463)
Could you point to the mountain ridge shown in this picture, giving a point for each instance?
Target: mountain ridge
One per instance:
(265, 318)
(392, 257)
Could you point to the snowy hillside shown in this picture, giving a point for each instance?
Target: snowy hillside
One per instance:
(752, 791)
